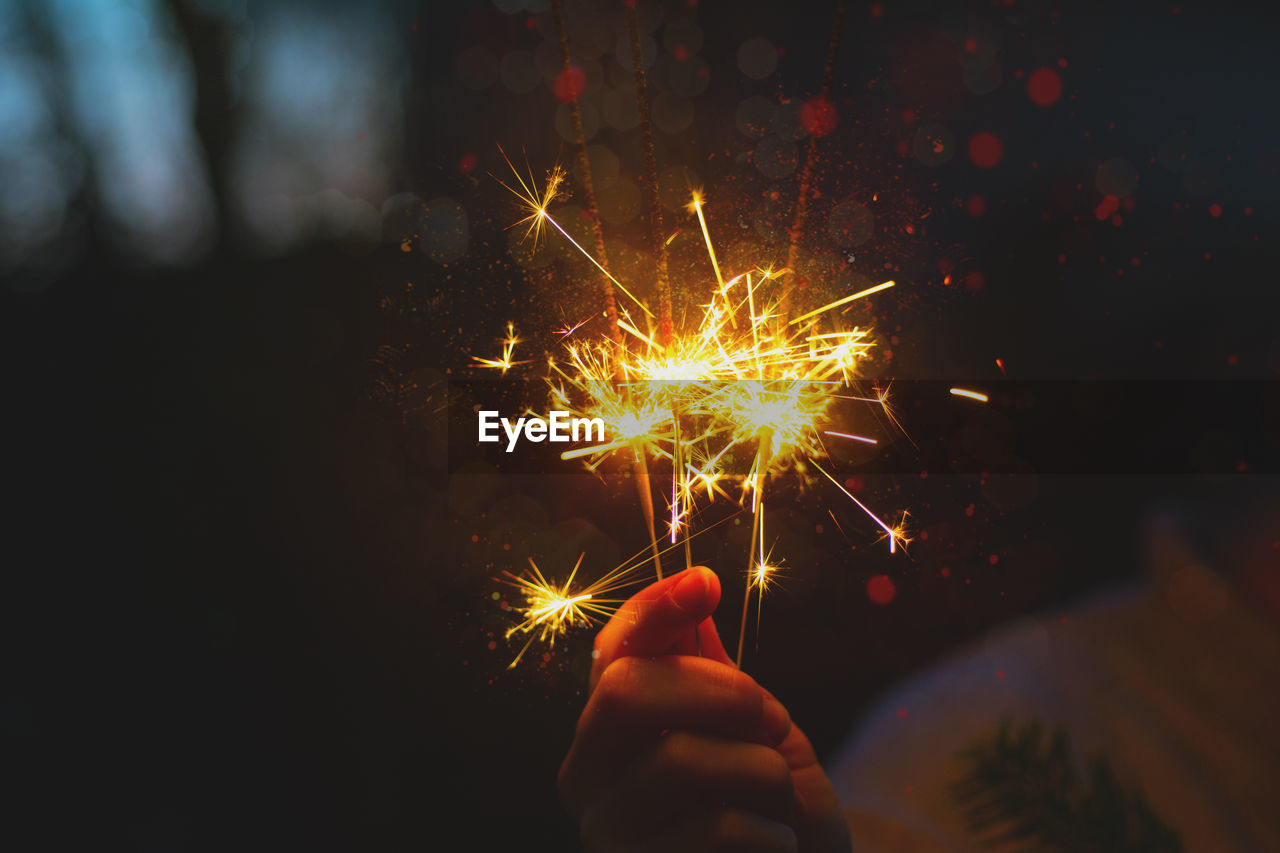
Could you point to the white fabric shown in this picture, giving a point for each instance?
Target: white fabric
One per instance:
(1175, 680)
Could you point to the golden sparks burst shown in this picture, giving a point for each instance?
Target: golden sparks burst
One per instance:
(552, 609)
(739, 375)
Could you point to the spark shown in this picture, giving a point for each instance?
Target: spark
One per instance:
(861, 438)
(972, 395)
(537, 203)
(508, 349)
(567, 330)
(552, 609)
(895, 534)
(860, 294)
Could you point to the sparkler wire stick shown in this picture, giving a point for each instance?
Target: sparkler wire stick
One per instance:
(811, 158)
(763, 454)
(650, 176)
(588, 186)
(646, 503)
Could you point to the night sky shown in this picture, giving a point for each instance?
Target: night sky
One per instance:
(252, 592)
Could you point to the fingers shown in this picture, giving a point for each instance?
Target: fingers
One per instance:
(820, 821)
(709, 645)
(660, 619)
(639, 698)
(687, 775)
(724, 831)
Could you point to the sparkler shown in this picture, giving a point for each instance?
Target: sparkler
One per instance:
(741, 376)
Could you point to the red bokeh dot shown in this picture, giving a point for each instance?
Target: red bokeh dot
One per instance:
(902, 713)
(945, 572)
(570, 83)
(908, 116)
(1215, 210)
(1000, 674)
(681, 53)
(977, 205)
(818, 115)
(467, 163)
(853, 484)
(876, 10)
(1109, 205)
(1233, 359)
(1044, 87)
(975, 280)
(993, 559)
(880, 589)
(970, 45)
(985, 150)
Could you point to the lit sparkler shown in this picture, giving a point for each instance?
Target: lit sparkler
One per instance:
(742, 375)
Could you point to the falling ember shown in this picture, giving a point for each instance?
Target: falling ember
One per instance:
(972, 395)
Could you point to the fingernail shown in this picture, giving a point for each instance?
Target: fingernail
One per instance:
(776, 719)
(691, 592)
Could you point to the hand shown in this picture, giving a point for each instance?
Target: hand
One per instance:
(676, 751)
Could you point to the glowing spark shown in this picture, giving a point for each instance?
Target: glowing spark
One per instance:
(861, 438)
(537, 205)
(972, 395)
(568, 330)
(508, 348)
(552, 609)
(895, 534)
(870, 290)
(696, 205)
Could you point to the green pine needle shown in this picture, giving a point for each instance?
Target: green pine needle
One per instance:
(1024, 790)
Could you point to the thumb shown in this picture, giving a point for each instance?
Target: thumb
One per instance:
(663, 618)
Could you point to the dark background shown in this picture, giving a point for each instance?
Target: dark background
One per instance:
(251, 582)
